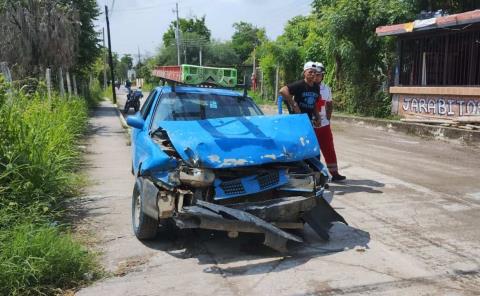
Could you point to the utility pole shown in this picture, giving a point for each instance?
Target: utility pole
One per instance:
(138, 49)
(254, 75)
(200, 55)
(177, 35)
(110, 60)
(104, 62)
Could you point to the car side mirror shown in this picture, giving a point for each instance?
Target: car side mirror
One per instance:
(135, 122)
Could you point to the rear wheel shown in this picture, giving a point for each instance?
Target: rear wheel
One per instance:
(144, 227)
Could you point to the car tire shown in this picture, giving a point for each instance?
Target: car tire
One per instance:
(144, 227)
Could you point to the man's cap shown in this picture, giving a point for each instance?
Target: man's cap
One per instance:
(320, 68)
(309, 65)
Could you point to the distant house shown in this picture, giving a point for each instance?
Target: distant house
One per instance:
(438, 68)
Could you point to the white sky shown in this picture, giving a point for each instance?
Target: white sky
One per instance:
(141, 23)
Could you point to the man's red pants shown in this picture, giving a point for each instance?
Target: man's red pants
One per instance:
(325, 140)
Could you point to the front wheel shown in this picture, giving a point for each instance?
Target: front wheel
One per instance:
(125, 109)
(136, 107)
(144, 227)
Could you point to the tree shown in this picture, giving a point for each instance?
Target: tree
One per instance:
(194, 36)
(144, 69)
(192, 25)
(88, 48)
(166, 55)
(38, 34)
(127, 60)
(221, 54)
(51, 33)
(245, 38)
(122, 66)
(358, 62)
(450, 6)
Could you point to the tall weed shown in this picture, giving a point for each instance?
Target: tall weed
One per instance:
(38, 160)
(40, 259)
(39, 149)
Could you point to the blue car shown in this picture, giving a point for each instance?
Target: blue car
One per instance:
(209, 158)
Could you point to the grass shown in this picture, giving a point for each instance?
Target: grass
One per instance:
(107, 93)
(148, 86)
(39, 158)
(259, 100)
(42, 259)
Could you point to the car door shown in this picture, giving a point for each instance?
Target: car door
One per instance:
(141, 136)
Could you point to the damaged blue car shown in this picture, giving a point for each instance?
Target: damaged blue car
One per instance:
(208, 158)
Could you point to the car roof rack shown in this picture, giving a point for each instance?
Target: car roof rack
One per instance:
(197, 75)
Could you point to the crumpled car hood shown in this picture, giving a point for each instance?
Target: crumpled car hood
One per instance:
(243, 141)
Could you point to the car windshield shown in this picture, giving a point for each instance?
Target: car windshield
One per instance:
(195, 106)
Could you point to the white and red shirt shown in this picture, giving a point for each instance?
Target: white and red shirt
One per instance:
(325, 96)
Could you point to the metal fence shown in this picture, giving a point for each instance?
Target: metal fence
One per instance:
(446, 57)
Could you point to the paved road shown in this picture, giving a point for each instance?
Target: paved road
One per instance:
(413, 206)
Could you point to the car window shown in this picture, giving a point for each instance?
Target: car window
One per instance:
(194, 106)
(147, 105)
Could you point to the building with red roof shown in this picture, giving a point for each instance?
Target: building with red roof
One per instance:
(438, 65)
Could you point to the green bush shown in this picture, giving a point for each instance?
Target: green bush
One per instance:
(38, 149)
(149, 86)
(94, 95)
(38, 159)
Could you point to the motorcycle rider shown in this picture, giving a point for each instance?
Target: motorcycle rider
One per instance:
(133, 99)
(128, 86)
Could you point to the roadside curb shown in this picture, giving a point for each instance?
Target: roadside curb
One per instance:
(122, 119)
(422, 130)
(123, 122)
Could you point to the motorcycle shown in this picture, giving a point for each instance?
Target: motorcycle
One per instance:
(133, 100)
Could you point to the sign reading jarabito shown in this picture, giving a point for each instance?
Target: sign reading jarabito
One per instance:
(442, 106)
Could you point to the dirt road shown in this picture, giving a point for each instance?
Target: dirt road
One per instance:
(413, 206)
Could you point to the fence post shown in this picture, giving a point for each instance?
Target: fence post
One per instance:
(6, 72)
(69, 84)
(8, 78)
(261, 83)
(48, 78)
(90, 81)
(75, 91)
(276, 85)
(60, 80)
(279, 104)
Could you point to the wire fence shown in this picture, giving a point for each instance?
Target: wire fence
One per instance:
(49, 79)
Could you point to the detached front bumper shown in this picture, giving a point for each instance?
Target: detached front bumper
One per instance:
(266, 217)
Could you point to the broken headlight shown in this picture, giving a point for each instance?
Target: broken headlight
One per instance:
(197, 177)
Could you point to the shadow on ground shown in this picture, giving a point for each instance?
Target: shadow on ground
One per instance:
(246, 254)
(353, 186)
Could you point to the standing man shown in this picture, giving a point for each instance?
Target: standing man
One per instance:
(301, 96)
(323, 131)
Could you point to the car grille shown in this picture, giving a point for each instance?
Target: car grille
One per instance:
(232, 187)
(268, 180)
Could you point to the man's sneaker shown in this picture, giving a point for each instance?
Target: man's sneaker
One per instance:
(338, 177)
